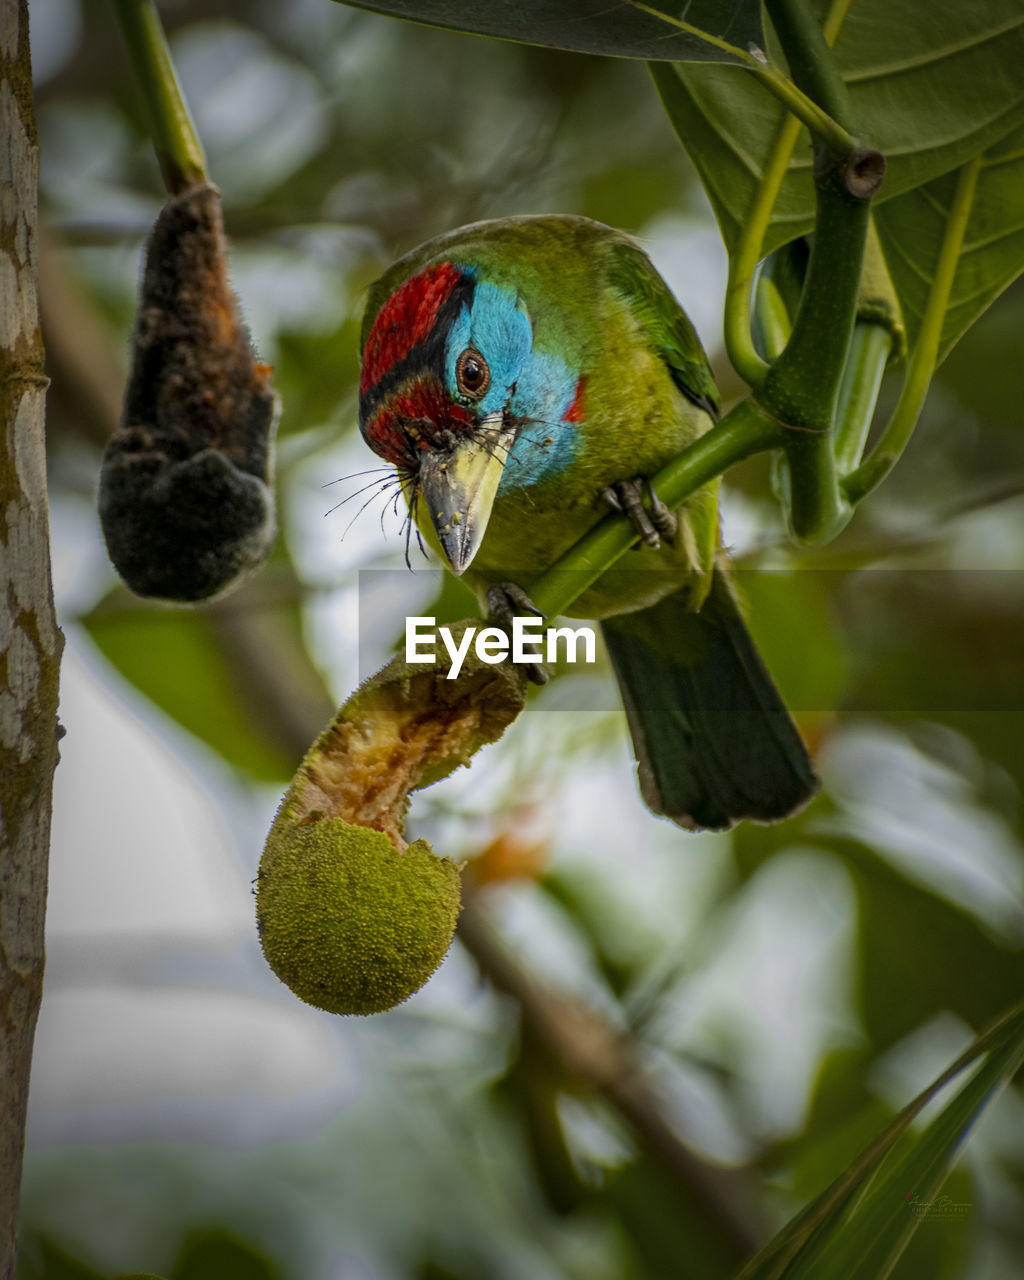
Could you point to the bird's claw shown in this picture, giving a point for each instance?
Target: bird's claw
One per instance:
(504, 600)
(653, 525)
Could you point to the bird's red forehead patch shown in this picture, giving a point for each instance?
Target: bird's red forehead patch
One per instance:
(406, 320)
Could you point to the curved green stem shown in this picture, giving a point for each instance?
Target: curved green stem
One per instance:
(747, 253)
(817, 510)
(174, 137)
(802, 387)
(858, 395)
(895, 437)
(770, 322)
(744, 431)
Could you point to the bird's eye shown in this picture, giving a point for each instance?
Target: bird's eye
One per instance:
(472, 374)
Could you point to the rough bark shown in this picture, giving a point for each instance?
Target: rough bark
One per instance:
(30, 642)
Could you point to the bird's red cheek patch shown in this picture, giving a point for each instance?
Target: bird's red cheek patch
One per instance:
(412, 418)
(406, 320)
(386, 438)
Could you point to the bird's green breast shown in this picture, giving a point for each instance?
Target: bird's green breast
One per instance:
(634, 421)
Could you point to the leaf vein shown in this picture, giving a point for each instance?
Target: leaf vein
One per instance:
(932, 56)
(1003, 234)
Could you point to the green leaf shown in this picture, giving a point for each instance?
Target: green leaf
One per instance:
(859, 1226)
(203, 668)
(214, 1253)
(714, 32)
(41, 1258)
(942, 1251)
(866, 1245)
(930, 86)
(912, 230)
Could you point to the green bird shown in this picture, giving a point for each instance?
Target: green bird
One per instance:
(520, 375)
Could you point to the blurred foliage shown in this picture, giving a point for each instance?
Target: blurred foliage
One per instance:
(209, 1253)
(783, 991)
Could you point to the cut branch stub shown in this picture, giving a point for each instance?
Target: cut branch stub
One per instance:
(186, 501)
(865, 172)
(352, 918)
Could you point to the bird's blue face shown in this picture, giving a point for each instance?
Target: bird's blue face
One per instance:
(534, 387)
(457, 396)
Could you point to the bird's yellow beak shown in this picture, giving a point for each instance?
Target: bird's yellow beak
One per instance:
(459, 487)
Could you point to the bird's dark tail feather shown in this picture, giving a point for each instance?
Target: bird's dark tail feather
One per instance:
(713, 740)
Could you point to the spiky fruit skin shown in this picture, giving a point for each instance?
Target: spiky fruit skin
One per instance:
(347, 921)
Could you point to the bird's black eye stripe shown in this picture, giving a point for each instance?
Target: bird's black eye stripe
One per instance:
(426, 355)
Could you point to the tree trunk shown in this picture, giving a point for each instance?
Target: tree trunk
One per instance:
(30, 643)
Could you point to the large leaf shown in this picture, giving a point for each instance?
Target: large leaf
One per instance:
(992, 256)
(866, 1244)
(930, 85)
(859, 1226)
(612, 27)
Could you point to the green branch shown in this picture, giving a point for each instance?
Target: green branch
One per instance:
(802, 387)
(822, 126)
(744, 431)
(174, 137)
(807, 49)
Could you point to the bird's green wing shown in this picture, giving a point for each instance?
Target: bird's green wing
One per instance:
(667, 325)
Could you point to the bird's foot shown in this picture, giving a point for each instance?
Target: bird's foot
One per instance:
(628, 497)
(504, 601)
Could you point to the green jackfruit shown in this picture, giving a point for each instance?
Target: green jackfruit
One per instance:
(350, 917)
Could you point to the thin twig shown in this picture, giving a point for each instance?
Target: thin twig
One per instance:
(174, 136)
